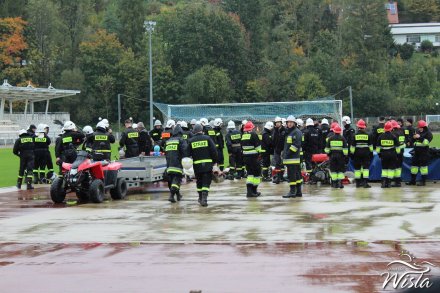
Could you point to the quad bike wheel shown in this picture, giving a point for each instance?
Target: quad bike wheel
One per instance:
(57, 191)
(97, 191)
(82, 195)
(120, 190)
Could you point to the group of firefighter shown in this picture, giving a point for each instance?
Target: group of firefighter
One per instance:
(286, 144)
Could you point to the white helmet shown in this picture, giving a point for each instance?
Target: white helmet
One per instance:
(291, 118)
(121, 153)
(231, 125)
(324, 121)
(244, 122)
(204, 121)
(69, 125)
(218, 122)
(187, 163)
(346, 119)
(170, 124)
(22, 131)
(40, 128)
(211, 123)
(100, 124)
(269, 125)
(183, 124)
(309, 122)
(179, 123)
(278, 119)
(299, 122)
(193, 122)
(105, 123)
(157, 123)
(89, 130)
(134, 125)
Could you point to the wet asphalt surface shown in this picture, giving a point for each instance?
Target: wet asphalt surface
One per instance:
(327, 241)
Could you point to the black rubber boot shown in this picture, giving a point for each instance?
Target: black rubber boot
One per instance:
(200, 197)
(358, 183)
(204, 201)
(292, 192)
(340, 185)
(250, 191)
(366, 185)
(19, 181)
(36, 178)
(298, 190)
(29, 183)
(413, 180)
(171, 198)
(254, 189)
(423, 181)
(178, 195)
(397, 183)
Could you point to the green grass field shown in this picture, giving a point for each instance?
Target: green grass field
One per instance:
(9, 162)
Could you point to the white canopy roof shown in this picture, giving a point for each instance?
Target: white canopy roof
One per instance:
(415, 28)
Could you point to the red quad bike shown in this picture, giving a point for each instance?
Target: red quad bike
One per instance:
(89, 180)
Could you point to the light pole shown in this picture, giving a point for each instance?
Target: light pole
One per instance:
(149, 26)
(119, 109)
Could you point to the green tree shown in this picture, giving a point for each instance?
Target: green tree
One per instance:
(422, 10)
(208, 85)
(310, 87)
(131, 16)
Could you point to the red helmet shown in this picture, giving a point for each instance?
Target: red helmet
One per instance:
(334, 124)
(421, 124)
(248, 126)
(361, 124)
(388, 126)
(395, 124)
(337, 129)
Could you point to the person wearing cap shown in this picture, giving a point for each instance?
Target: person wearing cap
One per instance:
(70, 140)
(362, 153)
(325, 129)
(400, 134)
(41, 144)
(130, 140)
(266, 150)
(251, 147)
(100, 142)
(145, 141)
(420, 160)
(278, 137)
(291, 157)
(378, 130)
(175, 150)
(204, 154)
(337, 149)
(387, 147)
(409, 133)
(156, 132)
(233, 145)
(311, 143)
(31, 130)
(24, 149)
(220, 142)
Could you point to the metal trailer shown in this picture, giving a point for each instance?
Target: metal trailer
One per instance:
(139, 170)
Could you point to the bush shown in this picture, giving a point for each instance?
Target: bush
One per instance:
(406, 51)
(426, 46)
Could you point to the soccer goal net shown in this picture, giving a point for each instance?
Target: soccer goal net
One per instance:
(256, 112)
(432, 118)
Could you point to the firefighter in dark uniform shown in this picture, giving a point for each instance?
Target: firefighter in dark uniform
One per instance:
(202, 149)
(409, 133)
(312, 143)
(101, 141)
(24, 148)
(130, 140)
(187, 134)
(233, 144)
(31, 130)
(377, 131)
(88, 132)
(278, 143)
(325, 130)
(291, 157)
(156, 132)
(175, 150)
(362, 153)
(420, 160)
(387, 148)
(266, 150)
(337, 149)
(167, 133)
(207, 130)
(220, 142)
(348, 131)
(145, 146)
(49, 163)
(41, 144)
(400, 134)
(251, 146)
(69, 141)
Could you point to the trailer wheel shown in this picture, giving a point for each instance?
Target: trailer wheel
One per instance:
(97, 191)
(120, 190)
(57, 191)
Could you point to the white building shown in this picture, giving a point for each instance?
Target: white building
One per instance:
(416, 33)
